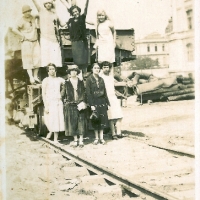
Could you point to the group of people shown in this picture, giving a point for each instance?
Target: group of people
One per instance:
(38, 50)
(75, 107)
(70, 104)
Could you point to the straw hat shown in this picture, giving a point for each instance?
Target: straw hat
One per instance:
(26, 8)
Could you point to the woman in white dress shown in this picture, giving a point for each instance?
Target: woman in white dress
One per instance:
(106, 34)
(51, 87)
(49, 40)
(115, 112)
(30, 49)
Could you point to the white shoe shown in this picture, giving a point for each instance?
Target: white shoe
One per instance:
(49, 135)
(37, 80)
(20, 125)
(32, 81)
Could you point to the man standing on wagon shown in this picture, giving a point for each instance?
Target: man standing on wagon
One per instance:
(30, 49)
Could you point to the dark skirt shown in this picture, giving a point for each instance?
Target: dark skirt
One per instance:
(101, 108)
(80, 53)
(75, 121)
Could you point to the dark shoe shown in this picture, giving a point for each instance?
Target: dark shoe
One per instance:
(114, 137)
(121, 135)
(103, 141)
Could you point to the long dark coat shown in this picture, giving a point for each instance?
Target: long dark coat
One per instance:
(75, 120)
(97, 96)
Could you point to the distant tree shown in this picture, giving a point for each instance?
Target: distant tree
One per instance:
(145, 62)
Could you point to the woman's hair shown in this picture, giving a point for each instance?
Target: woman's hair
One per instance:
(94, 65)
(106, 18)
(102, 11)
(72, 8)
(105, 63)
(52, 6)
(51, 64)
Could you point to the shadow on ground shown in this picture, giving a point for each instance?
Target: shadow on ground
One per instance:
(89, 137)
(138, 134)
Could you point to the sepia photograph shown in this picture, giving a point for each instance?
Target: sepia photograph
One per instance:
(100, 100)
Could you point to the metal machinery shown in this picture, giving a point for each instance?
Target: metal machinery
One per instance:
(31, 95)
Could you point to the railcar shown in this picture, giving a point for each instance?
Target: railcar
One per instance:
(29, 96)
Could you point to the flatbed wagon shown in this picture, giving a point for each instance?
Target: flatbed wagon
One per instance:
(29, 97)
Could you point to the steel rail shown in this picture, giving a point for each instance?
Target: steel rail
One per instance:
(124, 181)
(179, 152)
(174, 151)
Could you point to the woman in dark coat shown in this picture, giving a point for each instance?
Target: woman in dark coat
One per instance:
(77, 30)
(74, 98)
(98, 101)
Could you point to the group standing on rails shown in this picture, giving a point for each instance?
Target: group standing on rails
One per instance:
(72, 105)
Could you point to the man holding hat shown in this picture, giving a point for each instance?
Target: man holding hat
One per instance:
(49, 42)
(30, 49)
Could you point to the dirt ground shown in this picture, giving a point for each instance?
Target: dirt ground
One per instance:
(167, 124)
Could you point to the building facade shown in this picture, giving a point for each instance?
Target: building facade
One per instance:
(180, 34)
(154, 46)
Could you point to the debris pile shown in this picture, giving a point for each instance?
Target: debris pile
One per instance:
(147, 87)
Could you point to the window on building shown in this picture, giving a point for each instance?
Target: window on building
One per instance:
(156, 48)
(189, 52)
(163, 47)
(148, 48)
(189, 18)
(164, 61)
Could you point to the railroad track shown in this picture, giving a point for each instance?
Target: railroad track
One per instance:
(104, 183)
(173, 150)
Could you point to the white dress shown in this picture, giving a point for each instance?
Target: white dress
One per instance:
(115, 111)
(54, 120)
(50, 48)
(30, 48)
(105, 43)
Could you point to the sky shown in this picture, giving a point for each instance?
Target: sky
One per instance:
(144, 16)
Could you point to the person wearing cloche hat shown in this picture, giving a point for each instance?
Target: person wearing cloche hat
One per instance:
(26, 8)
(30, 49)
(74, 98)
(73, 68)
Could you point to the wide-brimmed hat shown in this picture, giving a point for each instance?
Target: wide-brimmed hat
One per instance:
(26, 8)
(73, 68)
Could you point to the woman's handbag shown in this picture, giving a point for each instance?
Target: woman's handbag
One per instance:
(81, 106)
(94, 117)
